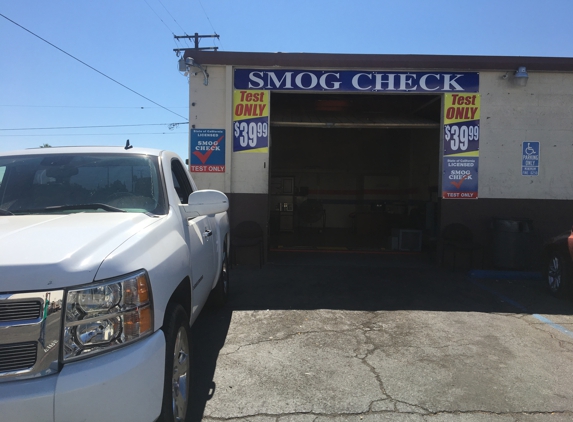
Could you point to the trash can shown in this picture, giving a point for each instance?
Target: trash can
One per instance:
(512, 246)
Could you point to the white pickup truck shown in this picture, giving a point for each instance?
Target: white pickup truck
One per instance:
(107, 256)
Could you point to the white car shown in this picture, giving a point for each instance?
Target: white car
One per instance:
(107, 256)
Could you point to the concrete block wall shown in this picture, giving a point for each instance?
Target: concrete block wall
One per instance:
(510, 115)
(245, 179)
(211, 107)
(208, 110)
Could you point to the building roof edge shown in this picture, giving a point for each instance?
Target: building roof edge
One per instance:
(381, 61)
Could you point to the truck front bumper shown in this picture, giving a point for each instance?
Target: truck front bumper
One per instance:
(123, 385)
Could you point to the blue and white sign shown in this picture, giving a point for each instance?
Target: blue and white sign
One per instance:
(530, 159)
(460, 178)
(207, 151)
(355, 81)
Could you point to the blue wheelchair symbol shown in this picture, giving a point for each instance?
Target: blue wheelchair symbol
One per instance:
(529, 150)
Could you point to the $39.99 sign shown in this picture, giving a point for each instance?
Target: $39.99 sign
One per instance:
(461, 137)
(251, 134)
(250, 121)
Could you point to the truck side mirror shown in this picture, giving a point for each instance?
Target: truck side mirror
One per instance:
(205, 202)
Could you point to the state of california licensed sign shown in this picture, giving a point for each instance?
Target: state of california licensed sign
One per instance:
(207, 151)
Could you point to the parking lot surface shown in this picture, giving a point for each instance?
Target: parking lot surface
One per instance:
(368, 337)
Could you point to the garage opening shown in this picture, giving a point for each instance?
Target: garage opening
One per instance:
(354, 171)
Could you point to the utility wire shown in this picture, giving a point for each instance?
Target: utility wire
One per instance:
(163, 22)
(169, 13)
(171, 125)
(209, 20)
(66, 106)
(92, 68)
(96, 134)
(159, 17)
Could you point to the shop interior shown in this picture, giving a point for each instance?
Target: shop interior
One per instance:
(354, 171)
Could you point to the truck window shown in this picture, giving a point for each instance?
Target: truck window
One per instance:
(46, 183)
(180, 181)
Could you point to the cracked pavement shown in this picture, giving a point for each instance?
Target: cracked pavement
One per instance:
(370, 338)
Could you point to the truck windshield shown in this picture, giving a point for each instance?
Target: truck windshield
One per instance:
(70, 183)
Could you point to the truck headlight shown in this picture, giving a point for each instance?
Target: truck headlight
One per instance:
(105, 315)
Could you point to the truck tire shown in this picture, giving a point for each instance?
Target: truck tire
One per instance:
(559, 274)
(177, 382)
(220, 294)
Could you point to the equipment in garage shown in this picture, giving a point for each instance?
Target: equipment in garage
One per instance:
(311, 211)
(368, 165)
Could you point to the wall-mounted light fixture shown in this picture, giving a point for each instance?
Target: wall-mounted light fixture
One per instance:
(186, 64)
(520, 77)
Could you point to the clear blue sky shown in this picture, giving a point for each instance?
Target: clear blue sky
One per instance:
(132, 42)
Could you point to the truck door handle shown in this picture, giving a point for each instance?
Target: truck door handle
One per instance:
(207, 233)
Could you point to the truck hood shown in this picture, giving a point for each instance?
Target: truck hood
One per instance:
(45, 252)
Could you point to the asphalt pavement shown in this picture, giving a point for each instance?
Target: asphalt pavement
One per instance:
(381, 337)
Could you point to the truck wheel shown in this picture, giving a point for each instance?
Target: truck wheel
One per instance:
(559, 274)
(220, 294)
(177, 380)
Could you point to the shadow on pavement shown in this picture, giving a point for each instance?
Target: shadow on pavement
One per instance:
(208, 335)
(371, 282)
(355, 282)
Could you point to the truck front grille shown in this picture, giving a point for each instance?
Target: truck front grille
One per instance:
(20, 311)
(17, 357)
(30, 328)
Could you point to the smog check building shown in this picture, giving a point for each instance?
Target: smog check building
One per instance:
(383, 152)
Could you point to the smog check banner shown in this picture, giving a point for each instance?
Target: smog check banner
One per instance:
(251, 121)
(461, 146)
(207, 151)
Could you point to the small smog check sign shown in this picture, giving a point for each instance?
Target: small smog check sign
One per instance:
(530, 159)
(207, 150)
(251, 121)
(460, 177)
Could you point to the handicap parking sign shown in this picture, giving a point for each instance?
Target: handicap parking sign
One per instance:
(530, 159)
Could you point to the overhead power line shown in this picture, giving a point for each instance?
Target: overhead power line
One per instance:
(159, 17)
(162, 21)
(209, 20)
(91, 67)
(169, 13)
(94, 134)
(170, 125)
(73, 106)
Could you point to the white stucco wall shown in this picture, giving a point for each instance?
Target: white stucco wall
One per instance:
(245, 172)
(510, 115)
